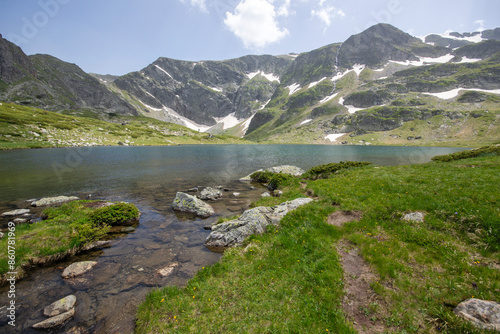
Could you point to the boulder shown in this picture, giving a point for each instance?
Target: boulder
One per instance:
(252, 221)
(54, 200)
(61, 306)
(287, 169)
(481, 313)
(58, 320)
(14, 213)
(186, 203)
(210, 194)
(78, 269)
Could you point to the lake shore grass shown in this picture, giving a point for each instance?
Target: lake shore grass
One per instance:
(24, 127)
(294, 279)
(64, 231)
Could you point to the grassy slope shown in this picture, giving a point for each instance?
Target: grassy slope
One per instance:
(18, 122)
(290, 280)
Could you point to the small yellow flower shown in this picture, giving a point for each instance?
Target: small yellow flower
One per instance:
(162, 300)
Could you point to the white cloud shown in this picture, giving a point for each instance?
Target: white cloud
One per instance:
(326, 13)
(284, 10)
(480, 23)
(254, 22)
(200, 4)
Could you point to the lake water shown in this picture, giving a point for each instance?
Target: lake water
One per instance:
(149, 177)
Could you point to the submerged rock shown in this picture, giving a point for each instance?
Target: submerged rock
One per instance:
(481, 313)
(168, 270)
(14, 213)
(186, 203)
(78, 269)
(252, 221)
(54, 200)
(210, 194)
(55, 321)
(61, 306)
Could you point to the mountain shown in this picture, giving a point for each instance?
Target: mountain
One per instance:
(375, 87)
(47, 82)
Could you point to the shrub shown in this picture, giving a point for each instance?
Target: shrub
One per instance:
(325, 171)
(114, 214)
(274, 180)
(483, 151)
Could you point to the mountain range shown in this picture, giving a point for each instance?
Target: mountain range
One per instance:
(380, 86)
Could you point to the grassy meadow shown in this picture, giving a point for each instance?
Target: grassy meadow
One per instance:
(294, 279)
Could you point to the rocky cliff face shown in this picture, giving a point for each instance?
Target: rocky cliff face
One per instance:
(207, 91)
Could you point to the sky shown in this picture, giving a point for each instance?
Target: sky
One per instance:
(120, 36)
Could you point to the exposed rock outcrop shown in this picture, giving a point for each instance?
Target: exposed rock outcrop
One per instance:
(252, 221)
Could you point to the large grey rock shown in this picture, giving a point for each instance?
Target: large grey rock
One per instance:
(78, 268)
(54, 200)
(285, 169)
(14, 213)
(186, 203)
(252, 221)
(210, 194)
(55, 321)
(481, 313)
(61, 306)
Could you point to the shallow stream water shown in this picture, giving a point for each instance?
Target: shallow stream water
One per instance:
(149, 177)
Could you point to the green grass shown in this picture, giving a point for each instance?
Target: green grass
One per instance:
(290, 280)
(65, 229)
(18, 125)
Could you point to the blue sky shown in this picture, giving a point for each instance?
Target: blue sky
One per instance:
(120, 36)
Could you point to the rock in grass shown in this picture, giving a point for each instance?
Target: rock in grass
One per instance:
(417, 217)
(190, 204)
(78, 269)
(14, 213)
(481, 313)
(58, 320)
(54, 200)
(61, 306)
(252, 221)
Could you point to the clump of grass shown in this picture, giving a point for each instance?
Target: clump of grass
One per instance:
(482, 151)
(115, 214)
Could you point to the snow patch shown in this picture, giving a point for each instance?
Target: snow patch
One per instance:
(424, 61)
(334, 137)
(312, 84)
(473, 39)
(358, 68)
(306, 121)
(293, 88)
(246, 124)
(269, 76)
(161, 69)
(328, 98)
(351, 109)
(468, 60)
(228, 122)
(265, 104)
(454, 92)
(216, 89)
(150, 107)
(382, 78)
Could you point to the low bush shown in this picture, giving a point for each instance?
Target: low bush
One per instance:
(480, 152)
(325, 171)
(275, 180)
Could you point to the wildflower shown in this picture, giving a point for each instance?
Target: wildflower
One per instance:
(162, 300)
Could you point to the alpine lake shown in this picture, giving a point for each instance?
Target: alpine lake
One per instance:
(149, 177)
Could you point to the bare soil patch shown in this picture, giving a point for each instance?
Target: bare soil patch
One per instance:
(361, 304)
(339, 218)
